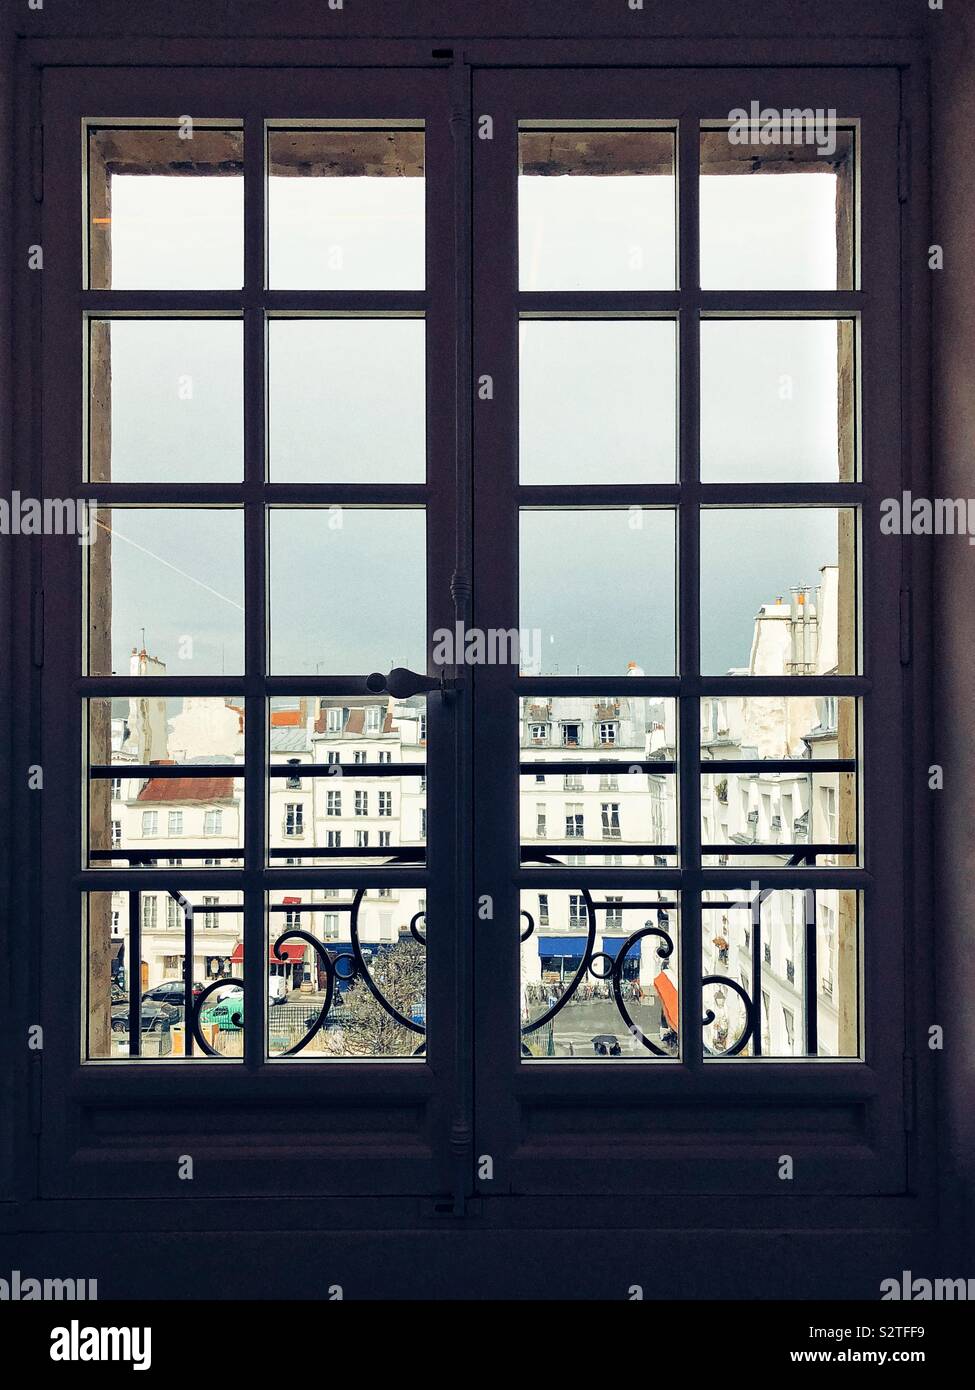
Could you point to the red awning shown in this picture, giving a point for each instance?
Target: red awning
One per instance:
(292, 951)
(667, 994)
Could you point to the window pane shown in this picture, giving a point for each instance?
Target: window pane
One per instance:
(169, 586)
(339, 796)
(346, 209)
(366, 569)
(778, 591)
(360, 990)
(573, 811)
(614, 565)
(597, 209)
(599, 974)
(166, 208)
(212, 937)
(166, 400)
(193, 818)
(347, 400)
(785, 969)
(777, 400)
(786, 222)
(598, 401)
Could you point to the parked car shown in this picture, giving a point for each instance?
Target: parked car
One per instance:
(155, 1017)
(228, 1010)
(171, 992)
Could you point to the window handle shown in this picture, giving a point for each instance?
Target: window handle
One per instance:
(402, 682)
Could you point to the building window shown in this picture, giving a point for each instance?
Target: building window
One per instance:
(423, 822)
(384, 756)
(294, 818)
(607, 733)
(330, 926)
(543, 909)
(540, 823)
(150, 911)
(333, 757)
(116, 791)
(573, 820)
(538, 734)
(384, 839)
(362, 839)
(359, 755)
(334, 720)
(333, 803)
(609, 782)
(175, 823)
(611, 820)
(116, 834)
(210, 919)
(571, 735)
(150, 823)
(385, 803)
(614, 915)
(362, 803)
(333, 839)
(173, 914)
(292, 919)
(578, 916)
(374, 719)
(293, 783)
(213, 823)
(572, 782)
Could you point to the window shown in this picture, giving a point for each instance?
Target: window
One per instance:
(211, 920)
(294, 818)
(384, 756)
(333, 839)
(293, 783)
(374, 719)
(174, 915)
(573, 820)
(330, 926)
(334, 724)
(292, 919)
(176, 822)
(607, 733)
(333, 803)
(571, 782)
(362, 803)
(359, 755)
(571, 735)
(384, 893)
(150, 823)
(538, 733)
(116, 834)
(609, 782)
(116, 791)
(361, 839)
(578, 915)
(383, 839)
(150, 911)
(614, 915)
(385, 803)
(334, 757)
(213, 823)
(543, 919)
(540, 831)
(610, 812)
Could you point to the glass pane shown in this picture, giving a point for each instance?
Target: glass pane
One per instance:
(347, 400)
(777, 400)
(779, 814)
(346, 209)
(365, 570)
(598, 401)
(599, 974)
(783, 970)
(778, 589)
(778, 726)
(357, 987)
(168, 585)
(597, 209)
(213, 937)
(787, 221)
(165, 208)
(586, 815)
(166, 400)
(193, 816)
(598, 592)
(339, 793)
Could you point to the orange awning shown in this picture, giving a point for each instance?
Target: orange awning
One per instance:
(667, 994)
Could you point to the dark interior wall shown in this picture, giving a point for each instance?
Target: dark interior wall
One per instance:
(953, 399)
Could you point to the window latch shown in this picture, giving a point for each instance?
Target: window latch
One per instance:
(401, 683)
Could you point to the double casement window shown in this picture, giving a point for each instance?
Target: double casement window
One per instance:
(260, 327)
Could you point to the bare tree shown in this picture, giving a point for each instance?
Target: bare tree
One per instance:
(369, 1030)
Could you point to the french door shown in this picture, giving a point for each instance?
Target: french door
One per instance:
(470, 460)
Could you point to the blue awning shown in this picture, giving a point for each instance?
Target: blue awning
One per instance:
(562, 945)
(612, 944)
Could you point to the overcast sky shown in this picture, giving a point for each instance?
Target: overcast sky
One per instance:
(599, 403)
